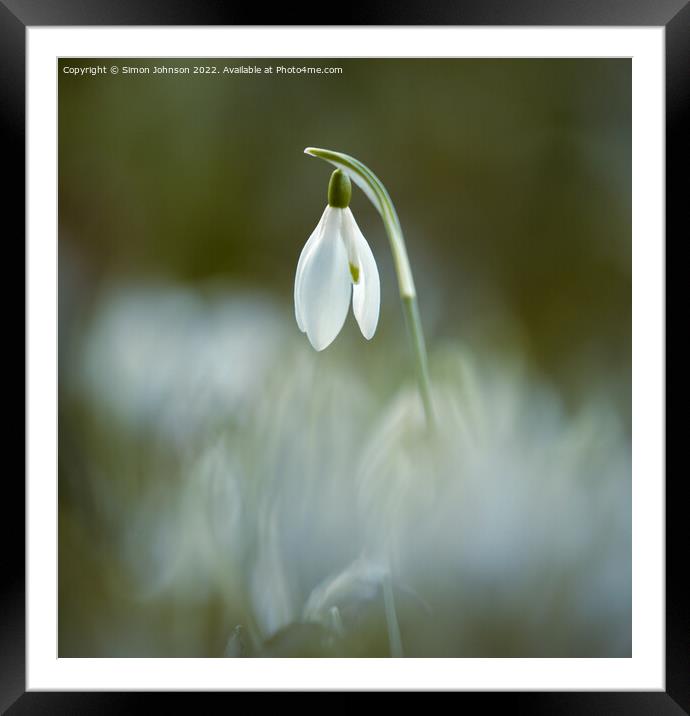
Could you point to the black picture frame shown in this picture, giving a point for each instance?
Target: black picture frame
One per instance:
(17, 15)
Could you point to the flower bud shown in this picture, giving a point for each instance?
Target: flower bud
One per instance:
(339, 190)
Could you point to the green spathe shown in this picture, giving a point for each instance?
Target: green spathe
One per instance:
(339, 190)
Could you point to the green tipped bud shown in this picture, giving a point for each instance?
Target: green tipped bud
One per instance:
(339, 190)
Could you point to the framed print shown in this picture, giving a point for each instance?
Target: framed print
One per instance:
(345, 354)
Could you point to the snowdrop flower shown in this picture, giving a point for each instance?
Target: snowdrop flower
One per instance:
(335, 262)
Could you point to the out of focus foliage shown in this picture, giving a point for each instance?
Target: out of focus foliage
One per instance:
(223, 489)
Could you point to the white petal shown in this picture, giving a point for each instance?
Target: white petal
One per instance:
(366, 296)
(349, 237)
(324, 284)
(300, 264)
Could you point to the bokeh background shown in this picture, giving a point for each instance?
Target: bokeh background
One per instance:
(226, 491)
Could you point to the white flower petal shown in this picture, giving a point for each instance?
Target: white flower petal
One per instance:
(366, 296)
(349, 237)
(300, 264)
(324, 284)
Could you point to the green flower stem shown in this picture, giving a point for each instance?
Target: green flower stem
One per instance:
(394, 638)
(414, 327)
(376, 192)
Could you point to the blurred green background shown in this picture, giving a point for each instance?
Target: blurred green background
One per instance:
(511, 179)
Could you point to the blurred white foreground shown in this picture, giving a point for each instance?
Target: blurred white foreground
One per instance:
(258, 495)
